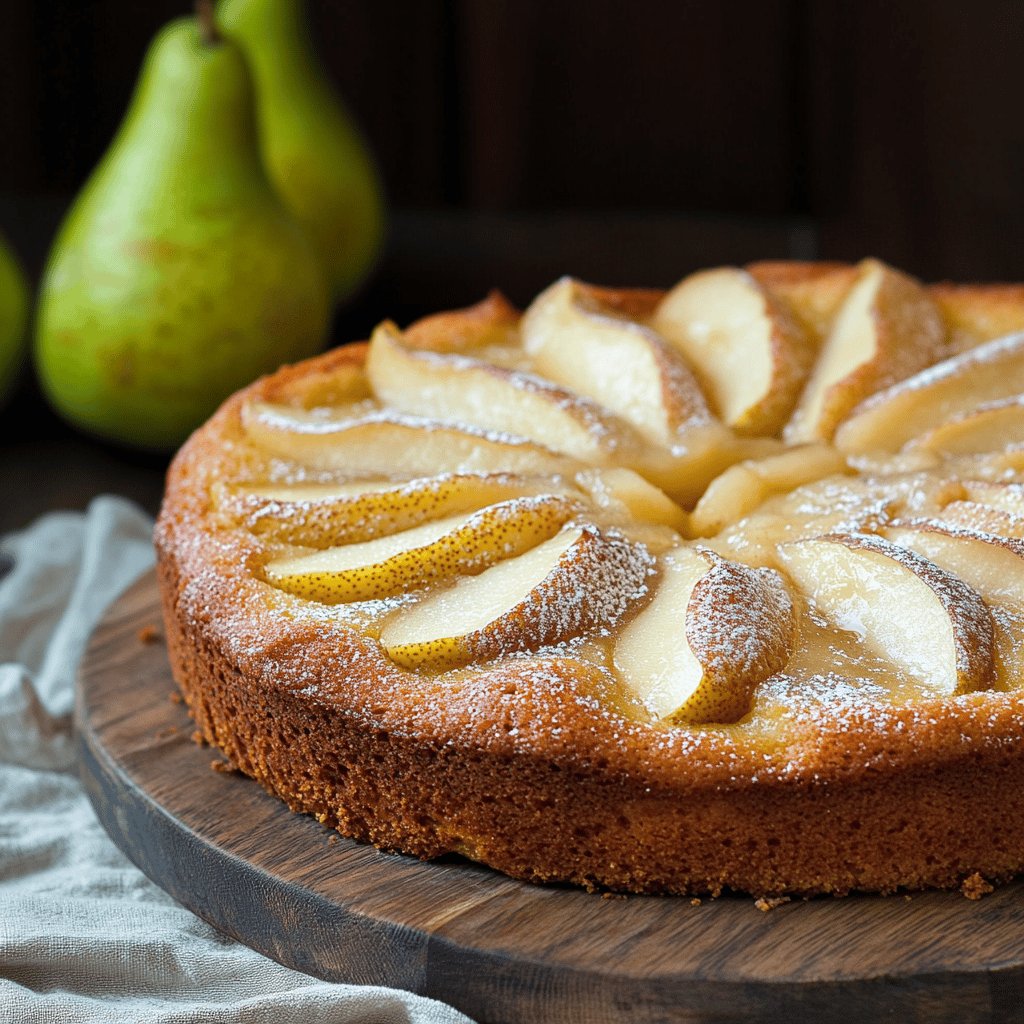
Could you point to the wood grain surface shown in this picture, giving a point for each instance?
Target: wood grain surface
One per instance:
(500, 950)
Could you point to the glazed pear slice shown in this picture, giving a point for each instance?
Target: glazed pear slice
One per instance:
(703, 451)
(618, 363)
(749, 353)
(748, 484)
(910, 408)
(813, 290)
(991, 565)
(713, 632)
(456, 545)
(579, 579)
(886, 329)
(624, 492)
(1003, 494)
(465, 391)
(927, 622)
(988, 518)
(365, 442)
(324, 515)
(991, 427)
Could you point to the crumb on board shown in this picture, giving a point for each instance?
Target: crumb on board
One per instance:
(613, 895)
(175, 697)
(224, 767)
(766, 903)
(167, 732)
(696, 901)
(148, 634)
(333, 840)
(975, 886)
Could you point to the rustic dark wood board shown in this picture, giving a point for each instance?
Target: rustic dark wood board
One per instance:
(498, 949)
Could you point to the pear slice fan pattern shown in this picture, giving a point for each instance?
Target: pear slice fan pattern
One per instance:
(727, 581)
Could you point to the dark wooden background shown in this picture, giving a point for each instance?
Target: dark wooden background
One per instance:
(625, 142)
(895, 127)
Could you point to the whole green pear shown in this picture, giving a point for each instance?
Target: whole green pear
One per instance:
(179, 275)
(312, 150)
(13, 318)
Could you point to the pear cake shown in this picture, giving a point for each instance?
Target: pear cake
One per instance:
(657, 592)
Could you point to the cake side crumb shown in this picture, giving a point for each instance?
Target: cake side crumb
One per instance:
(148, 634)
(766, 903)
(975, 886)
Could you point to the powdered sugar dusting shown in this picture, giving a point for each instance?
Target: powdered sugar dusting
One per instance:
(597, 579)
(969, 617)
(741, 621)
(743, 618)
(990, 352)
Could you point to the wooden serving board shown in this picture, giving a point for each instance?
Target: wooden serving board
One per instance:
(503, 951)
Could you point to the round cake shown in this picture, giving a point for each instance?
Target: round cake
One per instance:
(661, 592)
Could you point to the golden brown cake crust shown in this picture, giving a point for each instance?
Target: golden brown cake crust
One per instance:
(521, 767)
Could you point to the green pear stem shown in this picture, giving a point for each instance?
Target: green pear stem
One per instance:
(208, 30)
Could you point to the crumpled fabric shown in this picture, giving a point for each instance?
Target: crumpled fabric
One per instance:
(85, 937)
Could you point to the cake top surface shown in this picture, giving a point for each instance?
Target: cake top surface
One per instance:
(768, 523)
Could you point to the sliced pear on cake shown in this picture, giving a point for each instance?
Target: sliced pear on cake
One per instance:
(464, 391)
(703, 453)
(992, 565)
(625, 367)
(749, 353)
(990, 427)
(713, 631)
(1007, 495)
(579, 579)
(889, 419)
(813, 290)
(366, 442)
(989, 562)
(324, 515)
(621, 491)
(886, 329)
(988, 518)
(924, 620)
(748, 484)
(455, 545)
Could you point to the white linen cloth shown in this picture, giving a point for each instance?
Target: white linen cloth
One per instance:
(85, 937)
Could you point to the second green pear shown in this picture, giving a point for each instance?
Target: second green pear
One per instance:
(179, 274)
(311, 147)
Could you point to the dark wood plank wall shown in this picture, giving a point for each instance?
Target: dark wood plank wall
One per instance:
(681, 105)
(917, 135)
(894, 127)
